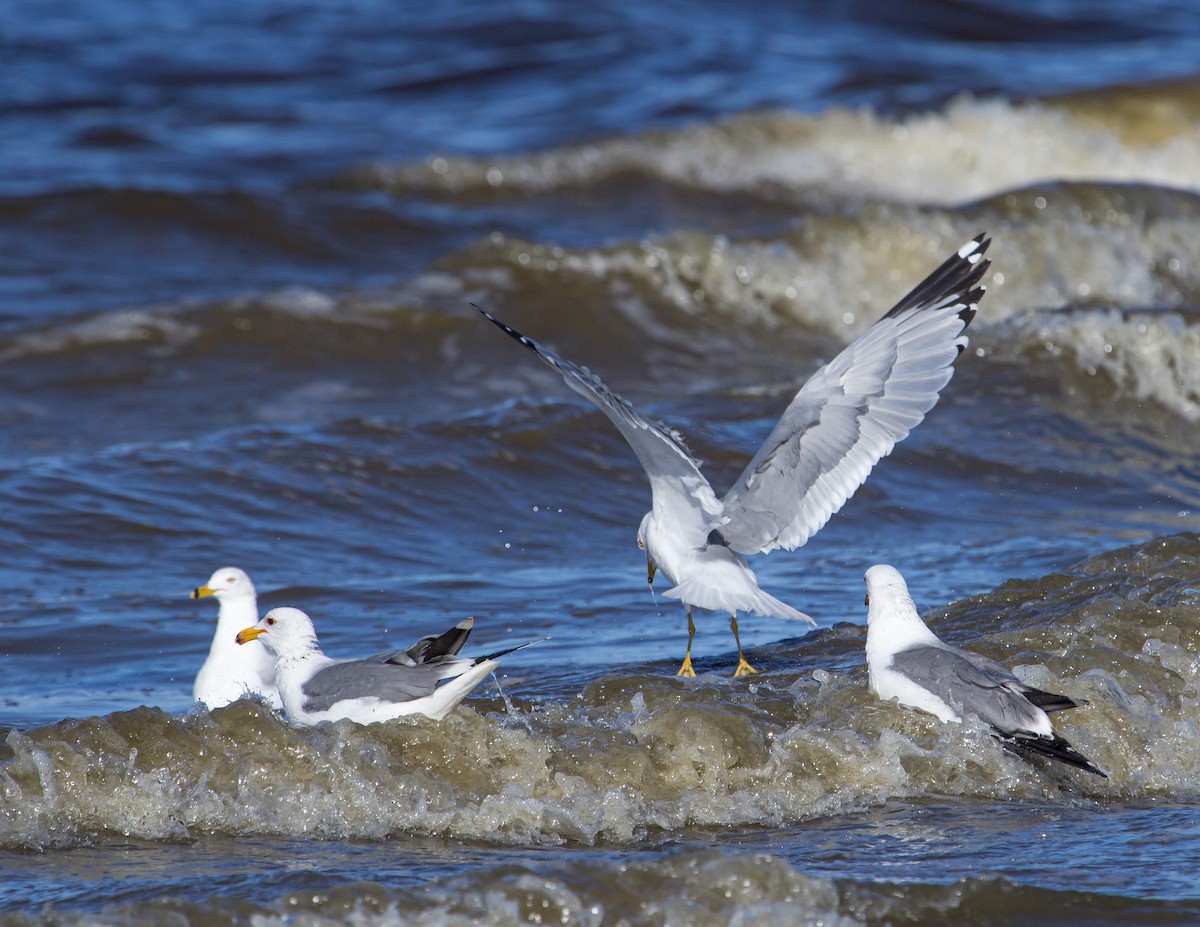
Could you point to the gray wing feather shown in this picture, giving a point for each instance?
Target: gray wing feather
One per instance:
(971, 684)
(672, 470)
(853, 411)
(376, 677)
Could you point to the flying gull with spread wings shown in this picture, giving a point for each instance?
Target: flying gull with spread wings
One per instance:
(909, 663)
(847, 416)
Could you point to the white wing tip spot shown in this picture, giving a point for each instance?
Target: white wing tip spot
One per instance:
(971, 250)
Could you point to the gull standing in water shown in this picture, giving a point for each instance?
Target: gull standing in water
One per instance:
(316, 688)
(909, 663)
(231, 672)
(847, 416)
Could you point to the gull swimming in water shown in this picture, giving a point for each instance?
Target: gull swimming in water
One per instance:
(316, 688)
(909, 663)
(847, 416)
(231, 672)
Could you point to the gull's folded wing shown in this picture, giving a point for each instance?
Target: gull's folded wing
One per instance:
(971, 684)
(388, 682)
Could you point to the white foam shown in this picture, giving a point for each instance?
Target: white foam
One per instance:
(971, 149)
(156, 326)
(1145, 356)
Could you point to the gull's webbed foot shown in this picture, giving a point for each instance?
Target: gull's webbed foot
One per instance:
(686, 668)
(744, 669)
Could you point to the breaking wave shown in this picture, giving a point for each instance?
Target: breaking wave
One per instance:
(635, 754)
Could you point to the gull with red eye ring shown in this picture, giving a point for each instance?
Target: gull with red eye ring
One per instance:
(231, 672)
(429, 678)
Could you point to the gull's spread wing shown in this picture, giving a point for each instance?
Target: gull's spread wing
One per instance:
(853, 410)
(675, 477)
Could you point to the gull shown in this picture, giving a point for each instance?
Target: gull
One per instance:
(231, 672)
(316, 688)
(847, 416)
(909, 663)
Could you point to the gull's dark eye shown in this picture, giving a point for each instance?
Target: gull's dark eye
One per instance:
(270, 621)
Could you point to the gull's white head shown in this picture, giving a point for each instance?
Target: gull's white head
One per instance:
(227, 583)
(643, 532)
(284, 631)
(892, 620)
(887, 593)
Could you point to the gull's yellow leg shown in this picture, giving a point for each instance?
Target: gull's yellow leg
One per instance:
(743, 668)
(686, 669)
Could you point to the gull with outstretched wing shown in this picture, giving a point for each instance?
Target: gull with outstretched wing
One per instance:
(847, 417)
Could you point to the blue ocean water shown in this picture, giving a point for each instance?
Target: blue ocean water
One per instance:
(239, 243)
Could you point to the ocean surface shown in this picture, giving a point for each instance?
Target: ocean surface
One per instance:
(238, 247)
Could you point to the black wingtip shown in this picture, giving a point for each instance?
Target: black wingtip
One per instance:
(446, 644)
(967, 313)
(958, 274)
(981, 241)
(1054, 748)
(500, 653)
(508, 329)
(491, 318)
(1052, 701)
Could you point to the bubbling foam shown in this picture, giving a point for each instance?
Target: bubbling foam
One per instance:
(969, 150)
(635, 754)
